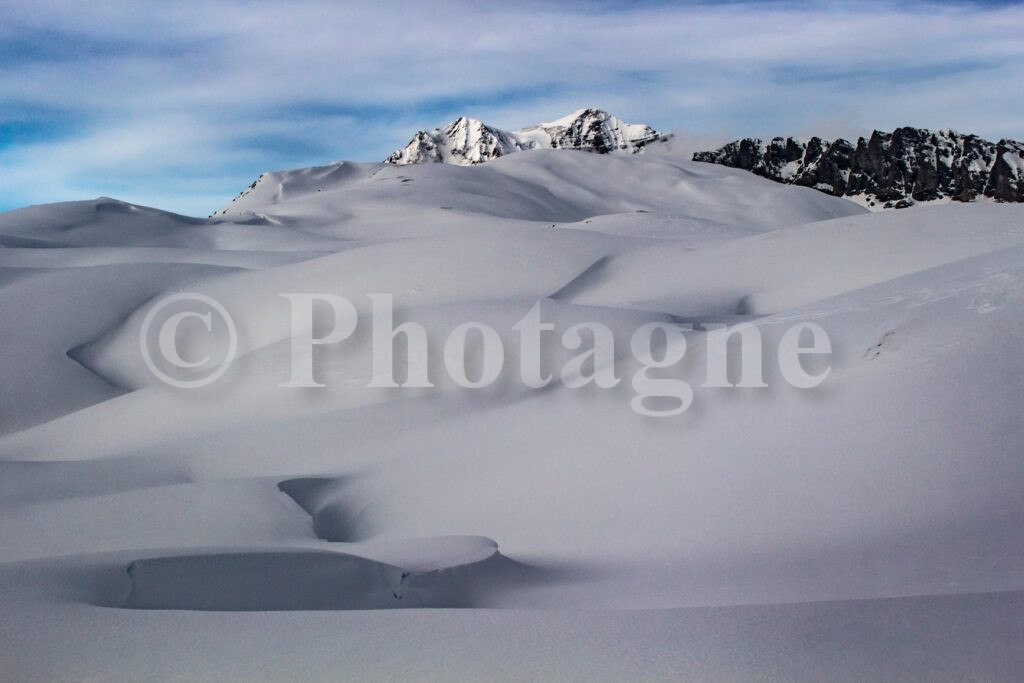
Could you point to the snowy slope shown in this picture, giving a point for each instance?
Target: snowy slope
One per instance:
(868, 529)
(380, 201)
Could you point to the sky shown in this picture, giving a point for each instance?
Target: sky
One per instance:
(180, 105)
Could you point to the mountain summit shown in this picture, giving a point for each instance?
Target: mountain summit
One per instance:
(467, 141)
(889, 170)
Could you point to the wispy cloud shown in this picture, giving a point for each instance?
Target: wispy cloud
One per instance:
(181, 104)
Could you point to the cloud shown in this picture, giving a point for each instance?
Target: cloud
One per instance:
(182, 104)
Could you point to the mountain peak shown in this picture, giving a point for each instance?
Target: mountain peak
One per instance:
(586, 112)
(467, 141)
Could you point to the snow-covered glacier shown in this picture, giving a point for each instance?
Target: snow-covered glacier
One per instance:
(867, 529)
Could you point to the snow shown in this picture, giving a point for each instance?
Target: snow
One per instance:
(867, 529)
(1015, 162)
(790, 169)
(468, 141)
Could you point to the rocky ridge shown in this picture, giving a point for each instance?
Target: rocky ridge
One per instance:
(887, 170)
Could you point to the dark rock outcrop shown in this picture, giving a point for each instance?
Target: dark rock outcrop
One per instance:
(891, 170)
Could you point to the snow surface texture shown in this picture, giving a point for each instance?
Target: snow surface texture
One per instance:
(866, 530)
(468, 141)
(888, 170)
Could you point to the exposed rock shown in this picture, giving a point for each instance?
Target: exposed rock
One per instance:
(894, 170)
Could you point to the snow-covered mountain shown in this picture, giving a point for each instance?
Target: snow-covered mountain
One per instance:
(467, 141)
(869, 530)
(887, 170)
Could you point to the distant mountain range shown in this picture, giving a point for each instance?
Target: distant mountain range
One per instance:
(467, 141)
(884, 171)
(887, 170)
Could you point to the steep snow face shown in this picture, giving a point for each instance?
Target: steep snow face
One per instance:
(467, 141)
(887, 170)
(464, 141)
(592, 130)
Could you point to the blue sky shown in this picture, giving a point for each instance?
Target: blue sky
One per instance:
(180, 105)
